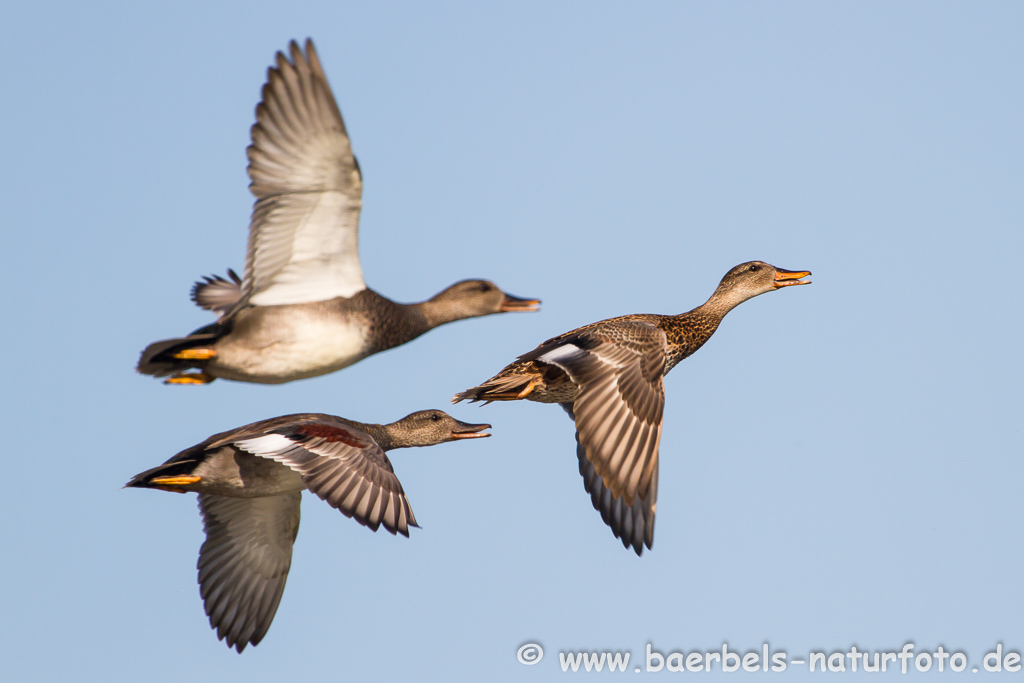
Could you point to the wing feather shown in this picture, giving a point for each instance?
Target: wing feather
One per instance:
(343, 466)
(618, 412)
(633, 525)
(244, 562)
(304, 232)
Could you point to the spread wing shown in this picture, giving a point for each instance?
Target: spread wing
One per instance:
(632, 524)
(343, 466)
(244, 562)
(618, 415)
(304, 232)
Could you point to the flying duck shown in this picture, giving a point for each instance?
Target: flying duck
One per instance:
(250, 481)
(609, 378)
(302, 309)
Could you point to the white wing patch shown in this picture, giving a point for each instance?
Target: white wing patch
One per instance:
(267, 445)
(561, 354)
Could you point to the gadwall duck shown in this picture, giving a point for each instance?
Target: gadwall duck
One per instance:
(302, 308)
(608, 376)
(250, 480)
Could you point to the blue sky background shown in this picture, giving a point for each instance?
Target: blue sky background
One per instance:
(840, 464)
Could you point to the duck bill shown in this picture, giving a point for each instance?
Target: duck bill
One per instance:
(514, 303)
(789, 278)
(465, 430)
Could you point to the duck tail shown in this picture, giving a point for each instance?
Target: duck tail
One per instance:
(218, 294)
(170, 476)
(499, 388)
(171, 356)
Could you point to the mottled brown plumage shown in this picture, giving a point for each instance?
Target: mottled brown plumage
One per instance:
(609, 377)
(684, 334)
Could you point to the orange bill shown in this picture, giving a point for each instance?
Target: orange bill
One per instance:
(788, 278)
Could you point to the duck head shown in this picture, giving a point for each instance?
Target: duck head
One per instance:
(473, 298)
(752, 278)
(429, 427)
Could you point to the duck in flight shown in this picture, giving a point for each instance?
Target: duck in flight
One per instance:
(302, 309)
(609, 378)
(250, 481)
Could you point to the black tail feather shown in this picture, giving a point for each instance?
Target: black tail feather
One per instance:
(158, 359)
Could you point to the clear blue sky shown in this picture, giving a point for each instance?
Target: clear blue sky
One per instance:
(841, 464)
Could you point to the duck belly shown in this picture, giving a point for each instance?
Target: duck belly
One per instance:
(230, 472)
(307, 346)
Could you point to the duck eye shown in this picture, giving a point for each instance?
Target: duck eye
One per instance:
(435, 417)
(754, 268)
(484, 287)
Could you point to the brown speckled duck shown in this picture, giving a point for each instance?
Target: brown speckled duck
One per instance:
(302, 308)
(609, 378)
(250, 481)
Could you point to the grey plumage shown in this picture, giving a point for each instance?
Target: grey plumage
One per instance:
(302, 308)
(249, 482)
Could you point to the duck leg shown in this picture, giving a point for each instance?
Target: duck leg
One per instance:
(190, 378)
(196, 353)
(174, 484)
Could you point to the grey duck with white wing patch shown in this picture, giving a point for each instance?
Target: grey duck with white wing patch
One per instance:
(302, 308)
(609, 377)
(249, 482)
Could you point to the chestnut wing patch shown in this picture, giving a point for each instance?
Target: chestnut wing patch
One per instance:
(333, 434)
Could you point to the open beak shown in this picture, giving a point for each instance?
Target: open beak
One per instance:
(465, 430)
(788, 278)
(514, 303)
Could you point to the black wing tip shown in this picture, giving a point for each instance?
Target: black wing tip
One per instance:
(637, 544)
(238, 646)
(603, 501)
